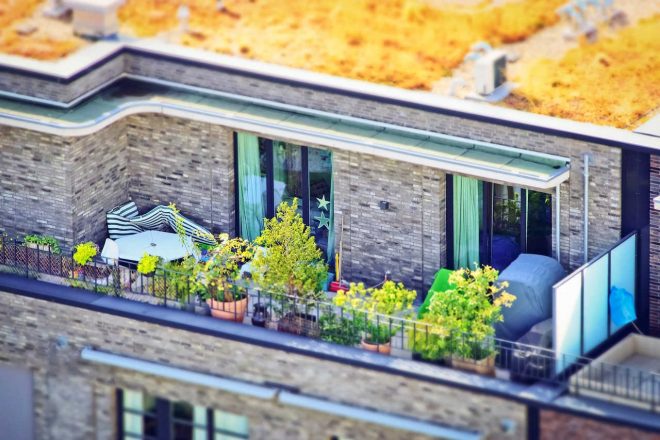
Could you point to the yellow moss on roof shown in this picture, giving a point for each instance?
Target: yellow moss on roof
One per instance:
(615, 81)
(405, 43)
(50, 41)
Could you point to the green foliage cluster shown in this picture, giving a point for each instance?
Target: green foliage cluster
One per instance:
(84, 252)
(216, 278)
(460, 321)
(341, 330)
(391, 299)
(292, 263)
(148, 264)
(44, 240)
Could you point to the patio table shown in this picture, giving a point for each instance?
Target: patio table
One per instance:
(165, 245)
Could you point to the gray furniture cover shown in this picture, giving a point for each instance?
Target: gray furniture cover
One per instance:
(530, 279)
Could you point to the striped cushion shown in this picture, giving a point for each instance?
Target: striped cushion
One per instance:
(124, 220)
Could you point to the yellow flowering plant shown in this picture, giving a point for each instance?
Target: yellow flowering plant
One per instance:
(374, 307)
(217, 276)
(148, 264)
(460, 321)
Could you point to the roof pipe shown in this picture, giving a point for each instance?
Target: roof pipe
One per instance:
(585, 210)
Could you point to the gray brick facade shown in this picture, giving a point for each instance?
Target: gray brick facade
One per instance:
(76, 400)
(155, 159)
(654, 251)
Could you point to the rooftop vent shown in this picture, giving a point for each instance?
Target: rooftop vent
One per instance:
(490, 72)
(95, 18)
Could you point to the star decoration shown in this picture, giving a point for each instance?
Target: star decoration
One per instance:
(323, 221)
(323, 203)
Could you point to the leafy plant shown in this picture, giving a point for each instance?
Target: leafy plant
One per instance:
(460, 321)
(340, 329)
(148, 264)
(292, 263)
(217, 276)
(173, 281)
(44, 240)
(376, 306)
(84, 252)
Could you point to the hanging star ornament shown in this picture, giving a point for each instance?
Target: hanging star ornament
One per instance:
(323, 203)
(323, 221)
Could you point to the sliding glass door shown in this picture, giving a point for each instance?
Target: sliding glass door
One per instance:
(270, 172)
(492, 224)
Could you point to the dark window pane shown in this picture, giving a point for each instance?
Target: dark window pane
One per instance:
(539, 223)
(287, 173)
(506, 225)
(150, 426)
(321, 209)
(182, 411)
(182, 432)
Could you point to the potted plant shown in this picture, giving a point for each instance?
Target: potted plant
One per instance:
(459, 324)
(377, 308)
(83, 254)
(218, 275)
(148, 264)
(44, 243)
(291, 267)
(340, 329)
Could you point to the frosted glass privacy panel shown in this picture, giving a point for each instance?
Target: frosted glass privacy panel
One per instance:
(624, 269)
(567, 318)
(596, 294)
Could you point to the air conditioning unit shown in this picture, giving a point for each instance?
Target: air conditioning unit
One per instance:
(490, 72)
(656, 203)
(94, 18)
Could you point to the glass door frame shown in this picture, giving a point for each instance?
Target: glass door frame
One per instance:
(270, 182)
(485, 246)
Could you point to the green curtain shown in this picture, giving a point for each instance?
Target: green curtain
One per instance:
(250, 188)
(466, 222)
(331, 231)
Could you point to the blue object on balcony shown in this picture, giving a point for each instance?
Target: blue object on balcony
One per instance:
(622, 306)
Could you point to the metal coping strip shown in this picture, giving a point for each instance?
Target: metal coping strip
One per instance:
(277, 394)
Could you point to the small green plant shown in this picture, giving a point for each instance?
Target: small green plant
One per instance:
(340, 329)
(376, 307)
(217, 276)
(460, 321)
(44, 240)
(148, 264)
(292, 264)
(84, 252)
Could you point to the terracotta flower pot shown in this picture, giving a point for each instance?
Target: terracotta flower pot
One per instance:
(485, 367)
(229, 310)
(378, 348)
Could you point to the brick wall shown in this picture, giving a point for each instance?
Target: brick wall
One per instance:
(605, 185)
(185, 162)
(408, 239)
(554, 425)
(99, 169)
(35, 187)
(74, 399)
(58, 90)
(654, 251)
(156, 159)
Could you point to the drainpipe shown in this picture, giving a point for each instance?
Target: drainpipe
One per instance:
(557, 224)
(585, 210)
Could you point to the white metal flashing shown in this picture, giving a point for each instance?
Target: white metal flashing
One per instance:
(278, 394)
(299, 135)
(179, 374)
